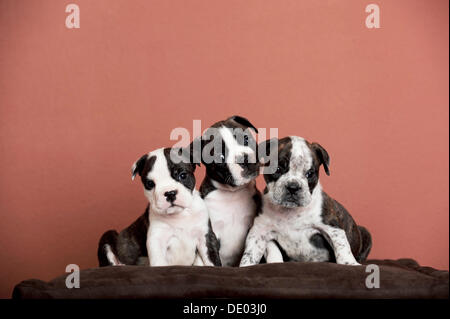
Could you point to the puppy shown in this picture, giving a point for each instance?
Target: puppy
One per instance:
(175, 228)
(299, 221)
(228, 151)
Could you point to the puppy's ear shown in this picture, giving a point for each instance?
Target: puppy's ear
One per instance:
(322, 155)
(138, 166)
(195, 151)
(243, 121)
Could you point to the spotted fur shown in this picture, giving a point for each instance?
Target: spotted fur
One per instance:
(306, 223)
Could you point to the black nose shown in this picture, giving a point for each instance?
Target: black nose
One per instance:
(170, 196)
(246, 165)
(293, 187)
(245, 162)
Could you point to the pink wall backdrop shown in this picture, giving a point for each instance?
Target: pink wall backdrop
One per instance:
(78, 106)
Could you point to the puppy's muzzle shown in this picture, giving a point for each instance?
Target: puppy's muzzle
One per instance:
(248, 166)
(293, 188)
(171, 196)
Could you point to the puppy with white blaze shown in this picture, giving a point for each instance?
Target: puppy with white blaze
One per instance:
(299, 221)
(228, 151)
(175, 229)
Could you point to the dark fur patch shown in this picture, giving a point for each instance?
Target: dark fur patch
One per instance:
(243, 121)
(132, 240)
(143, 166)
(249, 168)
(177, 169)
(206, 187)
(217, 169)
(266, 153)
(366, 244)
(257, 198)
(334, 214)
(147, 167)
(130, 244)
(314, 170)
(320, 155)
(213, 245)
(140, 163)
(319, 241)
(108, 238)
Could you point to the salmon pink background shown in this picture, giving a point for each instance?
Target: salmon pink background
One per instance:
(78, 107)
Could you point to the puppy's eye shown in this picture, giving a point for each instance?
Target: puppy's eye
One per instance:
(278, 169)
(222, 157)
(309, 174)
(149, 184)
(182, 176)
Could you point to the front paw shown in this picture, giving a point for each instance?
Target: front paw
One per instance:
(245, 262)
(208, 263)
(351, 263)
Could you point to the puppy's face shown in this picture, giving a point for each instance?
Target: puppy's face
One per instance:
(168, 184)
(297, 174)
(229, 152)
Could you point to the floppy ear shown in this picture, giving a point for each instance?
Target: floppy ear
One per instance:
(243, 121)
(322, 155)
(195, 151)
(138, 166)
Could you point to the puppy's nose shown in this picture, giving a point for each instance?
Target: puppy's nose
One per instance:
(293, 187)
(244, 162)
(171, 195)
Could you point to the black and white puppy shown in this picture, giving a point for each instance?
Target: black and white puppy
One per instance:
(175, 229)
(299, 221)
(229, 153)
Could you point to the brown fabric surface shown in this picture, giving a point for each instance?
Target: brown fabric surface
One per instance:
(402, 278)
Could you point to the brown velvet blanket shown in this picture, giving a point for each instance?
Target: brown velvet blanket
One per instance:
(402, 278)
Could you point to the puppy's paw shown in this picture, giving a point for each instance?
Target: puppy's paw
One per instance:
(246, 263)
(351, 263)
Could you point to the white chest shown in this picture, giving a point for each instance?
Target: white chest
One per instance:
(173, 240)
(293, 231)
(180, 246)
(231, 215)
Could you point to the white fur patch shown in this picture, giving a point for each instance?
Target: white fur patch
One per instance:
(112, 258)
(179, 239)
(293, 227)
(236, 150)
(231, 214)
